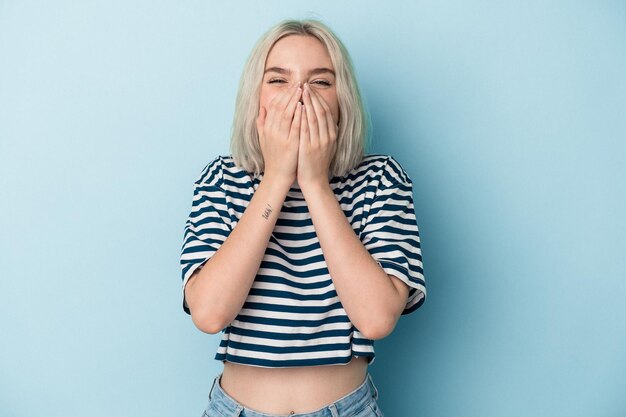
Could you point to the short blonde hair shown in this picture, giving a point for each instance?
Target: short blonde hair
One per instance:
(354, 122)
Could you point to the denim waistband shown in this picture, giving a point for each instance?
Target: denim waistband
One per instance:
(345, 406)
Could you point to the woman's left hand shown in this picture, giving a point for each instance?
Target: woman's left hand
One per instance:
(318, 140)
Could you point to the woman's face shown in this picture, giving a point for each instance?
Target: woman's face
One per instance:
(298, 58)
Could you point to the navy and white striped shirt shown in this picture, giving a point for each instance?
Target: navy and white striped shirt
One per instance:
(292, 315)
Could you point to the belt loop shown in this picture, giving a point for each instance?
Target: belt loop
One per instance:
(373, 386)
(333, 410)
(213, 386)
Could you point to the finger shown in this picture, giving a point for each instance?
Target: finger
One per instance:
(320, 116)
(310, 114)
(288, 113)
(282, 103)
(294, 132)
(304, 127)
(275, 108)
(330, 121)
(326, 108)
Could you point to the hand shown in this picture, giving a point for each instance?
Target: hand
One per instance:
(318, 140)
(279, 130)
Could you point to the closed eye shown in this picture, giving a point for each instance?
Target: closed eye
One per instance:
(281, 81)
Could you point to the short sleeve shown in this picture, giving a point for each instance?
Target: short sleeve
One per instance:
(391, 234)
(207, 226)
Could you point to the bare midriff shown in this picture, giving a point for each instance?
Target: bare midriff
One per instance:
(291, 390)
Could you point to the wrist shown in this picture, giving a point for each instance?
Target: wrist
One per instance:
(314, 185)
(279, 181)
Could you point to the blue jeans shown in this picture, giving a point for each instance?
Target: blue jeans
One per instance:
(359, 403)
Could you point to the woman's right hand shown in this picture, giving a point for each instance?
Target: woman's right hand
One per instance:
(279, 134)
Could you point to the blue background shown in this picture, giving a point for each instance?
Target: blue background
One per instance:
(508, 116)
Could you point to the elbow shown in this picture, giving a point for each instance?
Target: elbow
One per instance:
(205, 320)
(202, 317)
(379, 329)
(376, 333)
(207, 323)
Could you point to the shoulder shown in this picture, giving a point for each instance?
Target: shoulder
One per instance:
(223, 172)
(385, 168)
(212, 173)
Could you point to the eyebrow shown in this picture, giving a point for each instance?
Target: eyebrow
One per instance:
(312, 72)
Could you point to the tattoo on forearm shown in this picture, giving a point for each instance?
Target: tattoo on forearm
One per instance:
(267, 211)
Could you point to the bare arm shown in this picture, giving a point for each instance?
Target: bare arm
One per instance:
(374, 301)
(216, 293)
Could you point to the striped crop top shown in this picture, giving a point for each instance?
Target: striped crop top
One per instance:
(292, 315)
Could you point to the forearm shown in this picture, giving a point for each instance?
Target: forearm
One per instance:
(363, 287)
(216, 293)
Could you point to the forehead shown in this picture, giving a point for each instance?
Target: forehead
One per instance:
(298, 50)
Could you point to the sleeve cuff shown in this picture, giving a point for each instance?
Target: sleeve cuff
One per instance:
(191, 271)
(417, 290)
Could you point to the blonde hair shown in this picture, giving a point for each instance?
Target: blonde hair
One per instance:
(354, 123)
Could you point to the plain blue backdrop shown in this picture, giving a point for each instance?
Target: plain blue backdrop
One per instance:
(508, 116)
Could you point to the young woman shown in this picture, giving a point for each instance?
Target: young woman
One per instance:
(300, 248)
